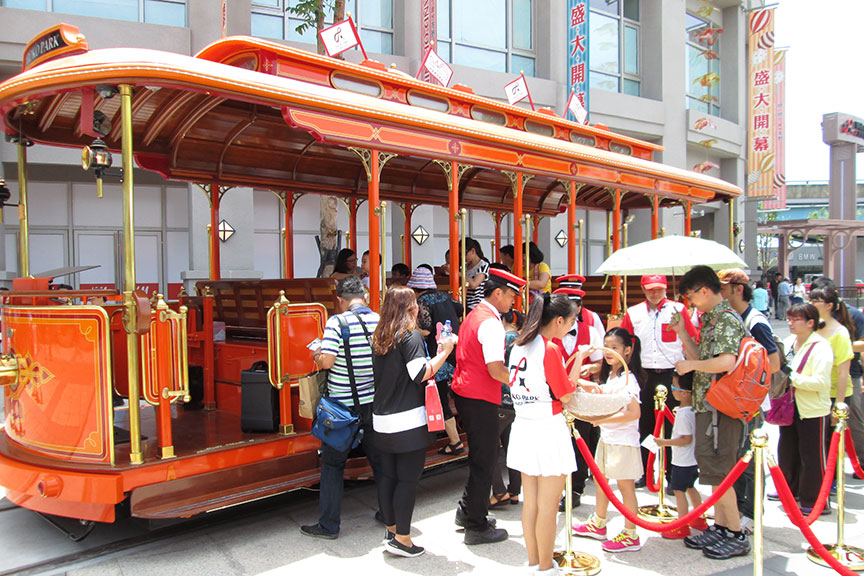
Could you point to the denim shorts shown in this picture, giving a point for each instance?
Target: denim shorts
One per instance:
(683, 477)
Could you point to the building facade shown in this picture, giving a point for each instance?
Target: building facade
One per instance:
(661, 71)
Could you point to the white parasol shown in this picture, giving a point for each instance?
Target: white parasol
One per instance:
(669, 255)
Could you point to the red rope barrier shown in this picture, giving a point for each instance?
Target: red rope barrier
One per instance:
(853, 456)
(601, 481)
(798, 520)
(669, 415)
(649, 467)
(827, 480)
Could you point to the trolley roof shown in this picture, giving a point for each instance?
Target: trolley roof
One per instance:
(247, 112)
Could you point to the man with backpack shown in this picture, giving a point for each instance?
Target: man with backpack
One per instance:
(717, 436)
(735, 287)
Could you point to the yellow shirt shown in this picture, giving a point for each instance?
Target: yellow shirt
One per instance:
(540, 269)
(841, 344)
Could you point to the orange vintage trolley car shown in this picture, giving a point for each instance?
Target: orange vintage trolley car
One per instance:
(251, 113)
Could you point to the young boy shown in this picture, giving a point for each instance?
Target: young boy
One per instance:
(684, 469)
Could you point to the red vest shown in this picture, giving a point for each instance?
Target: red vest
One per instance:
(471, 378)
(583, 337)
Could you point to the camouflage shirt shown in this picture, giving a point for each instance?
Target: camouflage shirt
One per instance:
(721, 333)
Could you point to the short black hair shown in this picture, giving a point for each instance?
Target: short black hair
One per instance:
(350, 287)
(747, 292)
(401, 269)
(508, 250)
(699, 277)
(822, 282)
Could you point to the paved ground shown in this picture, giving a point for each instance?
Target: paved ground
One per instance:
(269, 543)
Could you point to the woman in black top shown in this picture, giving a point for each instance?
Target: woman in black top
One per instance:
(399, 413)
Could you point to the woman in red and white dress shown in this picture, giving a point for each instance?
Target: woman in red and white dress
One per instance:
(540, 445)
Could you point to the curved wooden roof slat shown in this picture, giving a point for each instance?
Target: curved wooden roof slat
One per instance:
(420, 173)
(164, 116)
(194, 116)
(300, 156)
(233, 135)
(549, 189)
(139, 99)
(52, 110)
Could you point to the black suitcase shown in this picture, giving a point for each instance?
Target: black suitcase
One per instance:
(259, 400)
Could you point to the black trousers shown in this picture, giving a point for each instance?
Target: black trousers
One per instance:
(397, 487)
(591, 435)
(745, 486)
(801, 454)
(480, 421)
(646, 418)
(514, 477)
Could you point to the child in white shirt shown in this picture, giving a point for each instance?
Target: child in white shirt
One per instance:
(684, 469)
(618, 453)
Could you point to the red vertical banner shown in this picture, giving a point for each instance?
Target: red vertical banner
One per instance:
(761, 131)
(223, 18)
(429, 31)
(780, 141)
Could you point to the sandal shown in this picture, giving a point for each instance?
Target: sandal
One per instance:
(452, 449)
(499, 500)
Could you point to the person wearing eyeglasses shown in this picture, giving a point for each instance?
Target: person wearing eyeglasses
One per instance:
(721, 331)
(802, 447)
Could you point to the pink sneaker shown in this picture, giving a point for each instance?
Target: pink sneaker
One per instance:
(622, 543)
(589, 530)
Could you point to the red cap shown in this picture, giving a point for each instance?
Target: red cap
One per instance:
(572, 293)
(650, 281)
(571, 281)
(507, 279)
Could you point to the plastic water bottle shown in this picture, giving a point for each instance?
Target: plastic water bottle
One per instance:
(446, 330)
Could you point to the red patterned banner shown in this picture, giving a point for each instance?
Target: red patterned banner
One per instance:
(780, 142)
(762, 119)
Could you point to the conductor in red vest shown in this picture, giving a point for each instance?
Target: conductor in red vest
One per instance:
(661, 347)
(476, 388)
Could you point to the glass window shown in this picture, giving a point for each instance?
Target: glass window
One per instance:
(165, 12)
(615, 46)
(373, 18)
(115, 9)
(490, 34)
(703, 66)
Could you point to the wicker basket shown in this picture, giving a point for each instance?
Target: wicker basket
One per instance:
(587, 406)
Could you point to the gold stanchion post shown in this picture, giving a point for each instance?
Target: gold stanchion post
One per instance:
(758, 444)
(570, 562)
(463, 214)
(849, 556)
(660, 512)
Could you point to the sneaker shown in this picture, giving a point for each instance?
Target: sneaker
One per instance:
(316, 531)
(462, 518)
(669, 491)
(589, 530)
(806, 510)
(699, 524)
(575, 502)
(728, 547)
(677, 534)
(550, 571)
(622, 543)
(388, 536)
(489, 535)
(746, 525)
(640, 483)
(398, 549)
(773, 496)
(711, 535)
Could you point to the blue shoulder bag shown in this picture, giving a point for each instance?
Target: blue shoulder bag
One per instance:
(336, 424)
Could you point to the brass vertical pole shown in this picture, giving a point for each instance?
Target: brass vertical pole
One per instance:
(581, 226)
(850, 556)
(661, 512)
(382, 212)
(129, 275)
(527, 299)
(732, 224)
(570, 562)
(463, 213)
(23, 216)
(758, 443)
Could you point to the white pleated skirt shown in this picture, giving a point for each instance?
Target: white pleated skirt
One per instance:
(541, 447)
